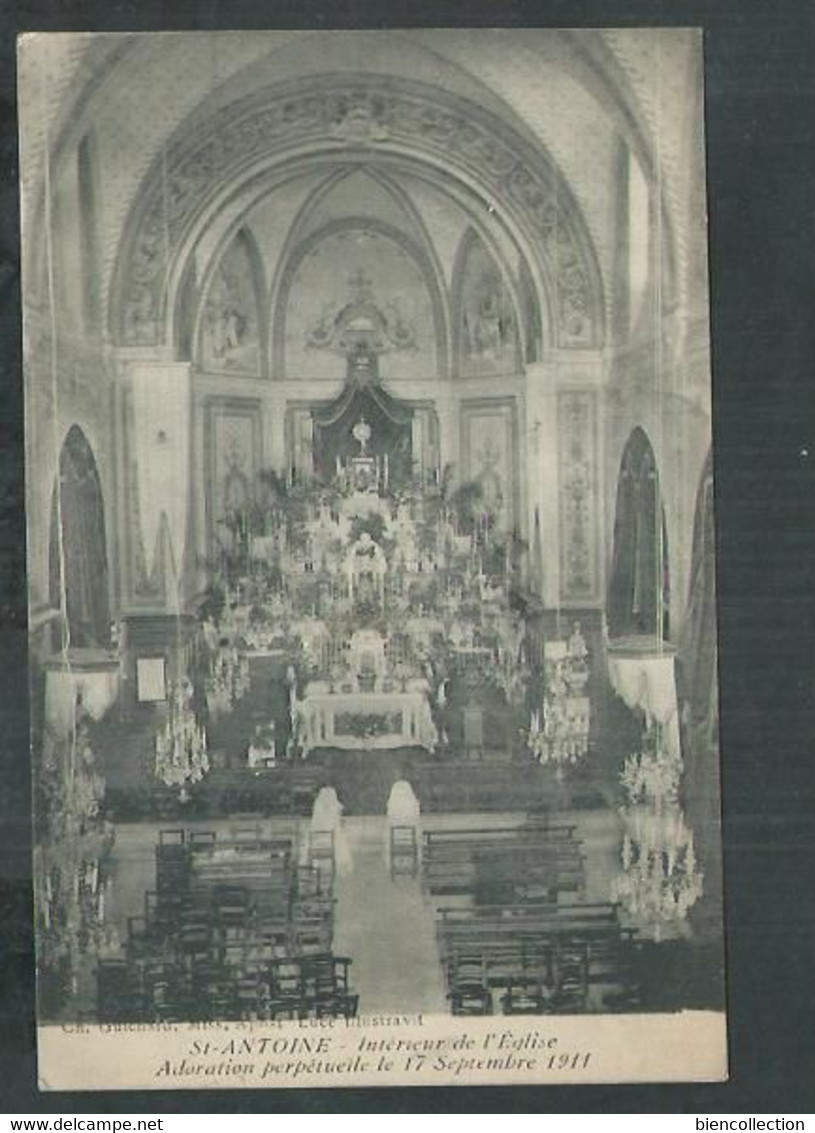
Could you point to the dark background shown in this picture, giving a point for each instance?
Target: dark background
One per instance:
(760, 121)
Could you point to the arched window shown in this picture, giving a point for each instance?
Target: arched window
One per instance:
(639, 589)
(78, 553)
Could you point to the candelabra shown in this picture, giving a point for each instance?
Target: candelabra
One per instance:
(559, 734)
(181, 745)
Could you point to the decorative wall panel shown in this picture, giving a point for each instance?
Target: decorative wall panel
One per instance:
(299, 442)
(233, 461)
(577, 465)
(161, 447)
(489, 447)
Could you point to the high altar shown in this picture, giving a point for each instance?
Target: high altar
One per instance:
(371, 584)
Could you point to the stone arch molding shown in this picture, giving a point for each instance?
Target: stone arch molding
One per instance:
(339, 114)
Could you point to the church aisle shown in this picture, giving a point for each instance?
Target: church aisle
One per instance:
(387, 928)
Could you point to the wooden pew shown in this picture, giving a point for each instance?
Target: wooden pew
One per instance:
(544, 957)
(551, 861)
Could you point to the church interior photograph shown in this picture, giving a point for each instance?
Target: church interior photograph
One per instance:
(370, 524)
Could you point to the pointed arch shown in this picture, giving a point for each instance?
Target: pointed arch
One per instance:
(78, 563)
(638, 601)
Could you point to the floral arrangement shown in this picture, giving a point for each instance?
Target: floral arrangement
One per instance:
(365, 725)
(559, 734)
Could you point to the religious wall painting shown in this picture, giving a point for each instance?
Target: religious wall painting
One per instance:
(358, 288)
(577, 465)
(485, 318)
(229, 331)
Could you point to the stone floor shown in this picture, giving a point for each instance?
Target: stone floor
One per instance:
(387, 927)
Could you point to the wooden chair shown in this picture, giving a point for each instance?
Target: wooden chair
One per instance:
(404, 851)
(176, 837)
(202, 840)
(526, 998)
(468, 999)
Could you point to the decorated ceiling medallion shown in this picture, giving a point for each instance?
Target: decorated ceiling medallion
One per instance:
(360, 119)
(358, 321)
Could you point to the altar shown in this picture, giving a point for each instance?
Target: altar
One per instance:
(366, 721)
(374, 580)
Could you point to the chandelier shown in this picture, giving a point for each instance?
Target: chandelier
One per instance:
(559, 734)
(660, 880)
(181, 745)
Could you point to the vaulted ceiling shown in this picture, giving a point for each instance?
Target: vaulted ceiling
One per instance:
(564, 104)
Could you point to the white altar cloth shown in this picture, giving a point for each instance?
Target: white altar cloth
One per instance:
(646, 681)
(367, 720)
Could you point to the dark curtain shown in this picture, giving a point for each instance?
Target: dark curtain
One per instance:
(638, 594)
(78, 560)
(698, 649)
(391, 432)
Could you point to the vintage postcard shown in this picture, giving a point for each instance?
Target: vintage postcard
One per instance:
(371, 558)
